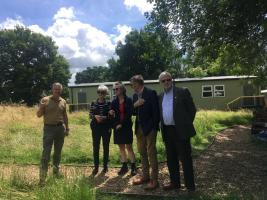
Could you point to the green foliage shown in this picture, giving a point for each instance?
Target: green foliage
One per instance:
(93, 75)
(20, 187)
(196, 72)
(145, 53)
(223, 37)
(29, 65)
(77, 189)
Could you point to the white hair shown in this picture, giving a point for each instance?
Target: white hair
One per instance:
(165, 73)
(57, 84)
(102, 88)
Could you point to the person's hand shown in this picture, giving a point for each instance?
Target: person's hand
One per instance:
(111, 113)
(118, 126)
(139, 102)
(67, 131)
(98, 118)
(43, 103)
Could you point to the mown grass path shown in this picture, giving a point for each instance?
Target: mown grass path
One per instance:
(234, 164)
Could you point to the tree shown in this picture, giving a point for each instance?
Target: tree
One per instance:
(29, 64)
(145, 53)
(222, 36)
(92, 75)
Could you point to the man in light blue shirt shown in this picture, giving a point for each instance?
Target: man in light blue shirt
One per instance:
(167, 107)
(177, 113)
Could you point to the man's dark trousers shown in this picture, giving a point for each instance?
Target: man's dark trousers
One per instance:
(176, 149)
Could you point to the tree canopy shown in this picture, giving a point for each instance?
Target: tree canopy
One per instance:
(143, 52)
(29, 64)
(93, 75)
(220, 36)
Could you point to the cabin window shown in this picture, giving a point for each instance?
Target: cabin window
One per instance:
(219, 91)
(206, 91)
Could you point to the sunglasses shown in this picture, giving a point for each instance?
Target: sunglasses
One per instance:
(166, 80)
(101, 92)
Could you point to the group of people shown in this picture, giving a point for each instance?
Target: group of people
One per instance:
(173, 112)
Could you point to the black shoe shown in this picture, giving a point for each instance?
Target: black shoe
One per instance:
(123, 170)
(104, 170)
(191, 189)
(95, 171)
(171, 186)
(133, 169)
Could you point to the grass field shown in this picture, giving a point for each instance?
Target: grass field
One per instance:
(19, 187)
(21, 140)
(21, 135)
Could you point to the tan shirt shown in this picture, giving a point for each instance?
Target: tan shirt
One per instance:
(54, 111)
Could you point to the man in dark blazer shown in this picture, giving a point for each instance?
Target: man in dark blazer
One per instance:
(177, 113)
(146, 109)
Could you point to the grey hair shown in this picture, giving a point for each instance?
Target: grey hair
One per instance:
(165, 73)
(102, 88)
(57, 84)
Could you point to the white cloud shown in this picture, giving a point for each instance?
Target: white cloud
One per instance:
(81, 44)
(63, 12)
(142, 5)
(123, 30)
(11, 23)
(37, 29)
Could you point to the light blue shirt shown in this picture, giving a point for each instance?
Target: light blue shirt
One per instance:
(167, 107)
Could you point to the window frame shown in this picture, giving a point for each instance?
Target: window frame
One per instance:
(211, 90)
(214, 90)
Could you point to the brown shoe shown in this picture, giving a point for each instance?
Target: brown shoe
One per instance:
(170, 186)
(140, 181)
(152, 185)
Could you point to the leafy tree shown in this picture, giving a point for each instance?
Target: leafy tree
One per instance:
(145, 53)
(29, 64)
(221, 36)
(93, 75)
(196, 72)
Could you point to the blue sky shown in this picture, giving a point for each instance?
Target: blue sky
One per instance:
(86, 31)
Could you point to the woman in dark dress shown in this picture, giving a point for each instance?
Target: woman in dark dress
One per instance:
(100, 125)
(121, 110)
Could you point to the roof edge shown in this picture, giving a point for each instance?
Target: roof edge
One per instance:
(175, 80)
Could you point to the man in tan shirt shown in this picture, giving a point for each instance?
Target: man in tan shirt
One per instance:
(53, 110)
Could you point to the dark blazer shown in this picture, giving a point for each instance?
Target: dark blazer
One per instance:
(127, 121)
(148, 113)
(184, 112)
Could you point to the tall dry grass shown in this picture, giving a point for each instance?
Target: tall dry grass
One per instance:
(21, 135)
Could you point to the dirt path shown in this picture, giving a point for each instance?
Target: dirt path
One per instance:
(234, 164)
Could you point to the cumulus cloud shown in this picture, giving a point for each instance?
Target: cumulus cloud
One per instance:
(81, 44)
(37, 29)
(123, 30)
(142, 5)
(11, 23)
(66, 13)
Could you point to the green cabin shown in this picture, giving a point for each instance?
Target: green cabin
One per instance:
(220, 92)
